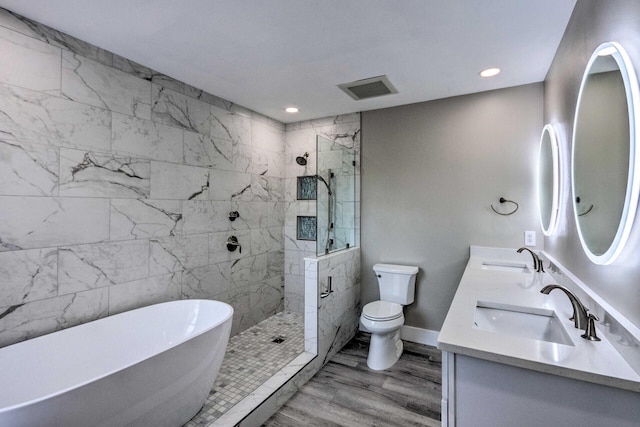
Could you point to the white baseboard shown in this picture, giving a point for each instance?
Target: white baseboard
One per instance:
(419, 335)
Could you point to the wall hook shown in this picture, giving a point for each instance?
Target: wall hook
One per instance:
(503, 200)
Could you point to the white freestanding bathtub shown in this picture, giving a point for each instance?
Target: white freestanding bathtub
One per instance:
(153, 366)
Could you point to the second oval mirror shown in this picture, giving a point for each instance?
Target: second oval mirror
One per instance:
(548, 180)
(605, 173)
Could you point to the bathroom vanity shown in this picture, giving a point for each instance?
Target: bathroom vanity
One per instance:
(512, 357)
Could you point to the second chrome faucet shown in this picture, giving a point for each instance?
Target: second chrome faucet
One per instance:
(537, 262)
(581, 318)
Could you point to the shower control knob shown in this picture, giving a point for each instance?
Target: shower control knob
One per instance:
(233, 244)
(233, 215)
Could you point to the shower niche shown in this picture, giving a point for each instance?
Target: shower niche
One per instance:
(307, 188)
(336, 196)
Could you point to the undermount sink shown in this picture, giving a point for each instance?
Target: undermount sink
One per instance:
(524, 322)
(514, 267)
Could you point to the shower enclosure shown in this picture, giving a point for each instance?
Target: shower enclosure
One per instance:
(336, 196)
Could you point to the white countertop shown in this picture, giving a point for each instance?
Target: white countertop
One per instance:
(594, 361)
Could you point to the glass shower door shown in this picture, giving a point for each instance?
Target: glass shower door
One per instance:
(336, 201)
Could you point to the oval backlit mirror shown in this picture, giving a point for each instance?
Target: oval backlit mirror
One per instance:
(548, 180)
(605, 160)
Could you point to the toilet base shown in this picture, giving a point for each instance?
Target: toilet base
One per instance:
(384, 350)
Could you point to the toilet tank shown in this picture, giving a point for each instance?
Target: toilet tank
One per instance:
(397, 283)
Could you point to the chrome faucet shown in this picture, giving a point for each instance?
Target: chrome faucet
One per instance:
(537, 262)
(580, 317)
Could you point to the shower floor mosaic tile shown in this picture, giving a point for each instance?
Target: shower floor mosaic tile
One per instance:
(252, 357)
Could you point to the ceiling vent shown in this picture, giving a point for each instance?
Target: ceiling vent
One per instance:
(368, 88)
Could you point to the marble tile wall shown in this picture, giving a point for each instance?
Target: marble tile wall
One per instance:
(300, 138)
(115, 186)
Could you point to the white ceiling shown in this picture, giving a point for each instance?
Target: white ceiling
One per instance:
(268, 54)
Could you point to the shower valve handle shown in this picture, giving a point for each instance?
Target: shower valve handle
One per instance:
(233, 244)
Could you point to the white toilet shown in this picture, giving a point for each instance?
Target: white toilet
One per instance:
(384, 318)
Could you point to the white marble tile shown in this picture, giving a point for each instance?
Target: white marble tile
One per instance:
(265, 292)
(230, 186)
(266, 188)
(207, 151)
(92, 83)
(264, 120)
(137, 70)
(238, 298)
(293, 302)
(179, 253)
(293, 244)
(250, 160)
(176, 109)
(275, 214)
(245, 271)
(36, 222)
(179, 182)
(28, 169)
(230, 126)
(146, 139)
(86, 174)
(275, 263)
(202, 216)
(21, 53)
(28, 276)
(17, 23)
(37, 117)
(36, 318)
(275, 162)
(93, 266)
(292, 264)
(267, 137)
(144, 218)
(266, 240)
(207, 282)
(140, 293)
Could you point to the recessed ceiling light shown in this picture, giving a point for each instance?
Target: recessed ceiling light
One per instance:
(292, 109)
(490, 72)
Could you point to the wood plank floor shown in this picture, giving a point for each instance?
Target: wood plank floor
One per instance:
(345, 392)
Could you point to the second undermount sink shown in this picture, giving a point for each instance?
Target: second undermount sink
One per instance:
(524, 322)
(514, 267)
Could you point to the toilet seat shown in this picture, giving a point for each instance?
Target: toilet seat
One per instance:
(382, 311)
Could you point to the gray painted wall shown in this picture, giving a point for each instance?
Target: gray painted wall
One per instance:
(430, 172)
(593, 22)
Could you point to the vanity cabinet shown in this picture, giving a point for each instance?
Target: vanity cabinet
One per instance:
(482, 393)
(511, 356)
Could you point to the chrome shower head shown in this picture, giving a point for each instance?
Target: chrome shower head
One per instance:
(302, 160)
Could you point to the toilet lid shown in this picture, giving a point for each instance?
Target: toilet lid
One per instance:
(382, 310)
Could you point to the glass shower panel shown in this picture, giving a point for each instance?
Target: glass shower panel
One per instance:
(336, 201)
